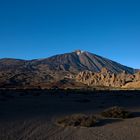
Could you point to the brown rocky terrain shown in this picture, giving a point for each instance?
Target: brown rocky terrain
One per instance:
(106, 78)
(132, 85)
(77, 67)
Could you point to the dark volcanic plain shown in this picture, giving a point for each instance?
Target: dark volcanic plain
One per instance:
(32, 114)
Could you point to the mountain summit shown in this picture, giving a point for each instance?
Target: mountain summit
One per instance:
(82, 60)
(78, 52)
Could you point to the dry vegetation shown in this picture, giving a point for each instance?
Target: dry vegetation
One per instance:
(78, 120)
(116, 112)
(83, 120)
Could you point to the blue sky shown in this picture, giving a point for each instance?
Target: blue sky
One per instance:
(40, 28)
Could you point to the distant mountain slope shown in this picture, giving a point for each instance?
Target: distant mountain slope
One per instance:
(81, 61)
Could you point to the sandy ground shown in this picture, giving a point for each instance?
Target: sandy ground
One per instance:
(34, 117)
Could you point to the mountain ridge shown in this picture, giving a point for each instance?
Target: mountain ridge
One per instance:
(36, 72)
(77, 60)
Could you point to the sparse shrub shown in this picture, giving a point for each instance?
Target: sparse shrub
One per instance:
(78, 120)
(116, 112)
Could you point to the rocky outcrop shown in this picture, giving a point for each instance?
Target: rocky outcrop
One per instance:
(135, 84)
(137, 76)
(132, 85)
(106, 78)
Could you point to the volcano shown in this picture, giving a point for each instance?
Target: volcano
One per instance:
(82, 60)
(43, 71)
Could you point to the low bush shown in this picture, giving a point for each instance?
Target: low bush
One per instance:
(78, 120)
(116, 112)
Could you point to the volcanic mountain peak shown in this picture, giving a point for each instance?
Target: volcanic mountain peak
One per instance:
(78, 52)
(73, 62)
(82, 60)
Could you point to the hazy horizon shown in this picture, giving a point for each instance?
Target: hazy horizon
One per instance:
(40, 29)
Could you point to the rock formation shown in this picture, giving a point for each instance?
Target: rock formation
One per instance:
(106, 78)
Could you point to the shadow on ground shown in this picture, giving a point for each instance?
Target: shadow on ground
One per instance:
(108, 121)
